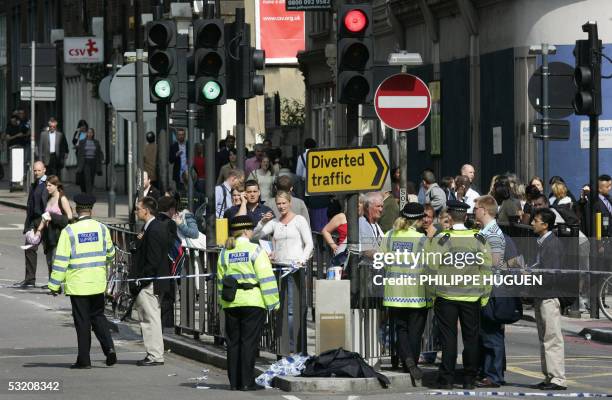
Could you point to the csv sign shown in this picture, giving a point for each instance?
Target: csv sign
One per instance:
(80, 50)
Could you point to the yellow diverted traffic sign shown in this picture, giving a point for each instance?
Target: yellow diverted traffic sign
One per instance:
(345, 170)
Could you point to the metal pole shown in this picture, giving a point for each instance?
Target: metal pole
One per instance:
(352, 207)
(32, 113)
(545, 114)
(240, 132)
(192, 114)
(210, 140)
(594, 196)
(403, 164)
(130, 172)
(110, 171)
(139, 119)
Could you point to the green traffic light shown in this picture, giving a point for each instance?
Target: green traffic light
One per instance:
(163, 89)
(211, 90)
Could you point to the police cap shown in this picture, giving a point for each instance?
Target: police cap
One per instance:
(240, 222)
(455, 205)
(84, 200)
(413, 211)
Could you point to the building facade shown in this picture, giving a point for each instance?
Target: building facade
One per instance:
(476, 56)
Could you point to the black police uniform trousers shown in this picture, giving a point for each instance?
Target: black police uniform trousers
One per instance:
(243, 329)
(88, 312)
(468, 313)
(409, 327)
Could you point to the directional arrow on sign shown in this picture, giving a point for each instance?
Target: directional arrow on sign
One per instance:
(345, 170)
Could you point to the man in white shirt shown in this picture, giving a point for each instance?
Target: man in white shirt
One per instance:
(223, 192)
(469, 171)
(370, 233)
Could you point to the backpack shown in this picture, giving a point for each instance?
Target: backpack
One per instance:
(342, 363)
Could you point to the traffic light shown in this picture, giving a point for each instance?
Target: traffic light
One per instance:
(251, 61)
(163, 61)
(587, 77)
(209, 61)
(355, 54)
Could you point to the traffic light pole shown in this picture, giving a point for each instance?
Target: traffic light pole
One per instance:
(352, 206)
(240, 132)
(139, 122)
(209, 124)
(192, 114)
(594, 194)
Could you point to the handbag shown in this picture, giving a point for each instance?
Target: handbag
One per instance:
(230, 287)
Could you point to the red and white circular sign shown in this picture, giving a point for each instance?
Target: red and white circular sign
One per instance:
(402, 102)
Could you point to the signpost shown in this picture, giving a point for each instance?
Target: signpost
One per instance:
(345, 170)
(402, 102)
(123, 93)
(41, 93)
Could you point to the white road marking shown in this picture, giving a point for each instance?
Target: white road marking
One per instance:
(353, 397)
(15, 227)
(71, 355)
(7, 296)
(289, 397)
(37, 304)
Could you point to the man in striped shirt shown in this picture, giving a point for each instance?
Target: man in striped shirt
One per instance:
(492, 347)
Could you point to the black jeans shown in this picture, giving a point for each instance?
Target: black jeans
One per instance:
(468, 314)
(243, 329)
(88, 312)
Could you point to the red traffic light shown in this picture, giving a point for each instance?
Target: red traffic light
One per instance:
(355, 21)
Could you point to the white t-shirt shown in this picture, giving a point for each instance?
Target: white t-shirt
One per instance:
(292, 242)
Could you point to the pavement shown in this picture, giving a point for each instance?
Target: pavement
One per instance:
(589, 360)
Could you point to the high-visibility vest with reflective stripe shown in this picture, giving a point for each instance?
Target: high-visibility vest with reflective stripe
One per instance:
(462, 242)
(406, 291)
(248, 263)
(84, 251)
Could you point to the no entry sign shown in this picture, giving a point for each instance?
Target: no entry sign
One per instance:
(402, 102)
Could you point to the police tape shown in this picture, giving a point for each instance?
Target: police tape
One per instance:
(510, 394)
(286, 271)
(564, 271)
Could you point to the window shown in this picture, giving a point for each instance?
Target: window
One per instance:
(320, 23)
(323, 115)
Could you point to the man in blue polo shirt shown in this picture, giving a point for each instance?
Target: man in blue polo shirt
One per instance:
(251, 204)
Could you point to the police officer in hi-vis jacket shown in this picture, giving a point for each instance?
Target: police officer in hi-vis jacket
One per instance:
(247, 287)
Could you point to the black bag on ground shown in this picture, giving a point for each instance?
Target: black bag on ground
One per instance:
(342, 363)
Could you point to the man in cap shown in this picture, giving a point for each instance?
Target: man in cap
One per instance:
(84, 251)
(458, 299)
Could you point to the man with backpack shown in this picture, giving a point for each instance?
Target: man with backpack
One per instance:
(492, 347)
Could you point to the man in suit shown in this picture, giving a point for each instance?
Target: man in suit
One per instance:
(147, 188)
(53, 148)
(37, 201)
(548, 309)
(178, 157)
(603, 204)
(151, 262)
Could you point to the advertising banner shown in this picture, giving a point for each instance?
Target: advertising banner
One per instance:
(279, 32)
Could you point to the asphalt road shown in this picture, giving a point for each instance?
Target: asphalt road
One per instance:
(38, 344)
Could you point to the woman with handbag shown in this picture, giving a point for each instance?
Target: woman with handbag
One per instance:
(247, 288)
(89, 161)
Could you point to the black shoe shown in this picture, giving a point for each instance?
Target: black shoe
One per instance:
(551, 386)
(233, 388)
(25, 284)
(80, 366)
(468, 386)
(486, 383)
(111, 357)
(147, 362)
(540, 385)
(44, 287)
(411, 368)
